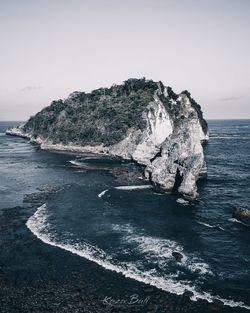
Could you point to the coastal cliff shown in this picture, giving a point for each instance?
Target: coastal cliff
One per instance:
(140, 120)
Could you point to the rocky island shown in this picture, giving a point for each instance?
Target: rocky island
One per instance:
(140, 120)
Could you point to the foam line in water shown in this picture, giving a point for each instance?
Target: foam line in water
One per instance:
(234, 220)
(230, 137)
(210, 226)
(126, 188)
(102, 193)
(75, 163)
(134, 187)
(39, 226)
(182, 201)
(88, 158)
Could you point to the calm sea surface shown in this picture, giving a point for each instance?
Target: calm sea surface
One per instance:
(96, 211)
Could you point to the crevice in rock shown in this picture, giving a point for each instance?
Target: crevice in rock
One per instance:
(158, 155)
(178, 180)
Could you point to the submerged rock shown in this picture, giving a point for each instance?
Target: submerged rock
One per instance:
(188, 294)
(177, 255)
(242, 215)
(140, 120)
(216, 305)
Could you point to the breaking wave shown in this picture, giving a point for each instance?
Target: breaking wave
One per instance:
(75, 163)
(159, 251)
(134, 187)
(102, 193)
(211, 226)
(126, 188)
(153, 247)
(234, 220)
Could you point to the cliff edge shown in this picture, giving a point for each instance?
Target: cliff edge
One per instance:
(140, 120)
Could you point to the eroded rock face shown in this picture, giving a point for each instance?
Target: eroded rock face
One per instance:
(242, 215)
(171, 144)
(167, 139)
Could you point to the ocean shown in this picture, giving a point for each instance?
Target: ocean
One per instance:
(100, 209)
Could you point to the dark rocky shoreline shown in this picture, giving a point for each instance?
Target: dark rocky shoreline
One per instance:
(35, 277)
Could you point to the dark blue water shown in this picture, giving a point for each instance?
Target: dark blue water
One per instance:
(134, 231)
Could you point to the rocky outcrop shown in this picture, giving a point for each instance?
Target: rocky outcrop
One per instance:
(140, 120)
(177, 255)
(242, 215)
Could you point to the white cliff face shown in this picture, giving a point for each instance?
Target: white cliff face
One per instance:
(160, 125)
(143, 146)
(169, 146)
(181, 158)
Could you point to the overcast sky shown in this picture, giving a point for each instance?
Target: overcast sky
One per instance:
(49, 48)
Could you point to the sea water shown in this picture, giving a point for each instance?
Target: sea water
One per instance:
(126, 226)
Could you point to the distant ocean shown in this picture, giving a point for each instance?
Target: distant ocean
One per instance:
(99, 212)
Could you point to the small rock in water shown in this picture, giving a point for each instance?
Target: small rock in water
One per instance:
(188, 294)
(177, 255)
(48, 188)
(216, 305)
(242, 215)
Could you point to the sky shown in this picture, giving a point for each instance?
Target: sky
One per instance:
(50, 48)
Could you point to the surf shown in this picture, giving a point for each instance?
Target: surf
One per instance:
(135, 187)
(40, 227)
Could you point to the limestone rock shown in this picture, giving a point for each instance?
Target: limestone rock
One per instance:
(141, 120)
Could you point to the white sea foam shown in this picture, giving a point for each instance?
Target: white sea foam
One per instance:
(195, 266)
(159, 194)
(46, 145)
(234, 220)
(211, 226)
(126, 228)
(126, 188)
(134, 187)
(102, 193)
(76, 163)
(90, 158)
(182, 201)
(86, 165)
(244, 126)
(231, 137)
(159, 250)
(39, 226)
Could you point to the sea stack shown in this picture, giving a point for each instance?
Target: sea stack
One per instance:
(140, 120)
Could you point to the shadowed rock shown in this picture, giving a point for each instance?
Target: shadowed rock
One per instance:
(217, 305)
(188, 294)
(177, 255)
(242, 215)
